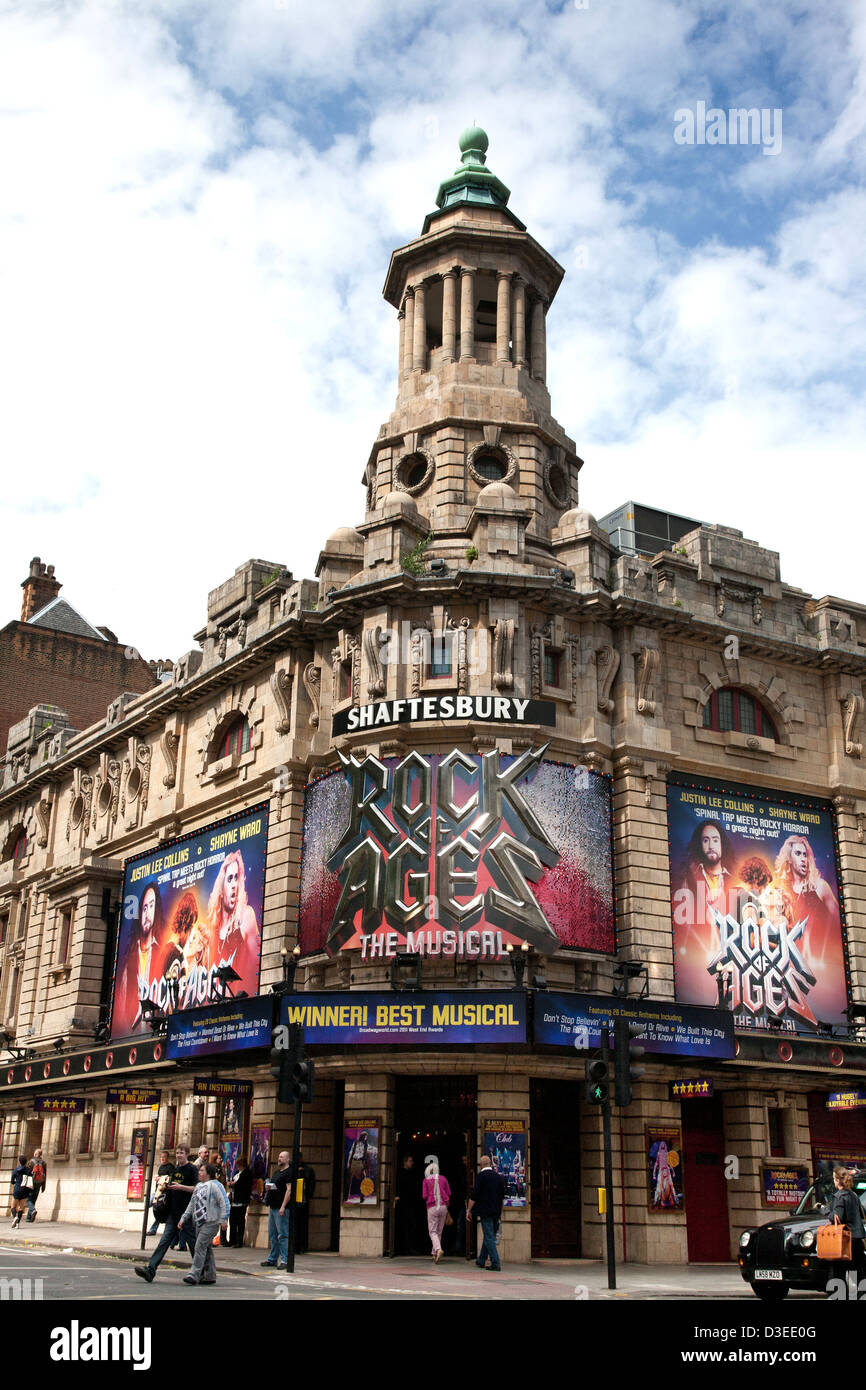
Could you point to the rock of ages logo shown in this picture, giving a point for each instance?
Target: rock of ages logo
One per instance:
(456, 854)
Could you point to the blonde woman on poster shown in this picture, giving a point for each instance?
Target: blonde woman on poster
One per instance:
(665, 1194)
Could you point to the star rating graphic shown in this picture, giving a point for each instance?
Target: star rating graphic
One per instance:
(689, 1090)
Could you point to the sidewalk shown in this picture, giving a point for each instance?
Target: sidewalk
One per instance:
(558, 1280)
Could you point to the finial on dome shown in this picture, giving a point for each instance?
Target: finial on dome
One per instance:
(473, 145)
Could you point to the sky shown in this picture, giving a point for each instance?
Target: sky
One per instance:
(199, 198)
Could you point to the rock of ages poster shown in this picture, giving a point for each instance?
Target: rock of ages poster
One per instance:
(190, 907)
(457, 854)
(757, 916)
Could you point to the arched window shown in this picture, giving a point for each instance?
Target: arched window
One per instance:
(16, 845)
(234, 739)
(732, 710)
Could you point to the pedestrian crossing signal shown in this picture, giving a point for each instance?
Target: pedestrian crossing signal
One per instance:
(597, 1080)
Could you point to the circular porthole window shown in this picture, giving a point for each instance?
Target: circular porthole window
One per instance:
(103, 803)
(77, 812)
(556, 484)
(414, 472)
(492, 464)
(133, 784)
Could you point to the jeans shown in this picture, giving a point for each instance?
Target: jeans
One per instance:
(203, 1267)
(488, 1245)
(278, 1236)
(31, 1206)
(171, 1233)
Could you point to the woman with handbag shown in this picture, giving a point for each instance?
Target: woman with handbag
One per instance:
(845, 1210)
(437, 1195)
(22, 1189)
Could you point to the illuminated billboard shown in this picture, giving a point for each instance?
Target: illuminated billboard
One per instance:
(757, 917)
(457, 854)
(189, 908)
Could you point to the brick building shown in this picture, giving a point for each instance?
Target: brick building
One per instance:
(488, 752)
(56, 664)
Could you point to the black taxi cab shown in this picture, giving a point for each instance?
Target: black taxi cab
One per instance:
(781, 1254)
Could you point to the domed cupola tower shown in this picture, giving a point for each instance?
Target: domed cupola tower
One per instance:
(472, 294)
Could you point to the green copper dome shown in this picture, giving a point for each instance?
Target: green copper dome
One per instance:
(472, 181)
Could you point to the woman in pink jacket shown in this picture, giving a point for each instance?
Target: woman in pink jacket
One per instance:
(437, 1195)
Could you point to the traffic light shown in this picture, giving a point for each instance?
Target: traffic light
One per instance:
(597, 1080)
(302, 1078)
(625, 1052)
(281, 1066)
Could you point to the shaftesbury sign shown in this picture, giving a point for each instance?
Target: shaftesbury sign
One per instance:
(501, 709)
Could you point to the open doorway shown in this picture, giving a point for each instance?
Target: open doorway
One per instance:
(433, 1116)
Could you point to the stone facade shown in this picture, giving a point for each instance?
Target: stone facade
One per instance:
(472, 529)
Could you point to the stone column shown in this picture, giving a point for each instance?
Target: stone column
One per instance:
(539, 342)
(419, 333)
(467, 315)
(503, 316)
(519, 322)
(409, 331)
(449, 315)
(851, 831)
(401, 352)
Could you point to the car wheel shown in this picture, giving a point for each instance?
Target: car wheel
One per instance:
(771, 1293)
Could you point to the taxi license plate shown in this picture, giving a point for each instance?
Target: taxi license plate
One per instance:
(767, 1274)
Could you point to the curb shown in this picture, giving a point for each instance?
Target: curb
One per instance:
(136, 1257)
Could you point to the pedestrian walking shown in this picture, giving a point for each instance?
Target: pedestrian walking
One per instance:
(183, 1182)
(40, 1181)
(277, 1192)
(163, 1173)
(846, 1206)
(239, 1199)
(437, 1194)
(207, 1211)
(486, 1199)
(22, 1188)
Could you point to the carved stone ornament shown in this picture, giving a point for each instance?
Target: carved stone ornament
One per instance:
(648, 663)
(236, 629)
(739, 593)
(503, 654)
(461, 629)
(312, 678)
(420, 654)
(573, 642)
(607, 661)
(43, 820)
(106, 791)
(281, 689)
(539, 633)
(80, 797)
(135, 783)
(375, 668)
(20, 765)
(852, 710)
(170, 743)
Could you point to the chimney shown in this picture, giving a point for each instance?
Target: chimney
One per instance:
(40, 587)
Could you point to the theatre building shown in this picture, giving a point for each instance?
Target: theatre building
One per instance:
(497, 776)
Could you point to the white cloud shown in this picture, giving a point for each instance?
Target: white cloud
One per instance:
(201, 198)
